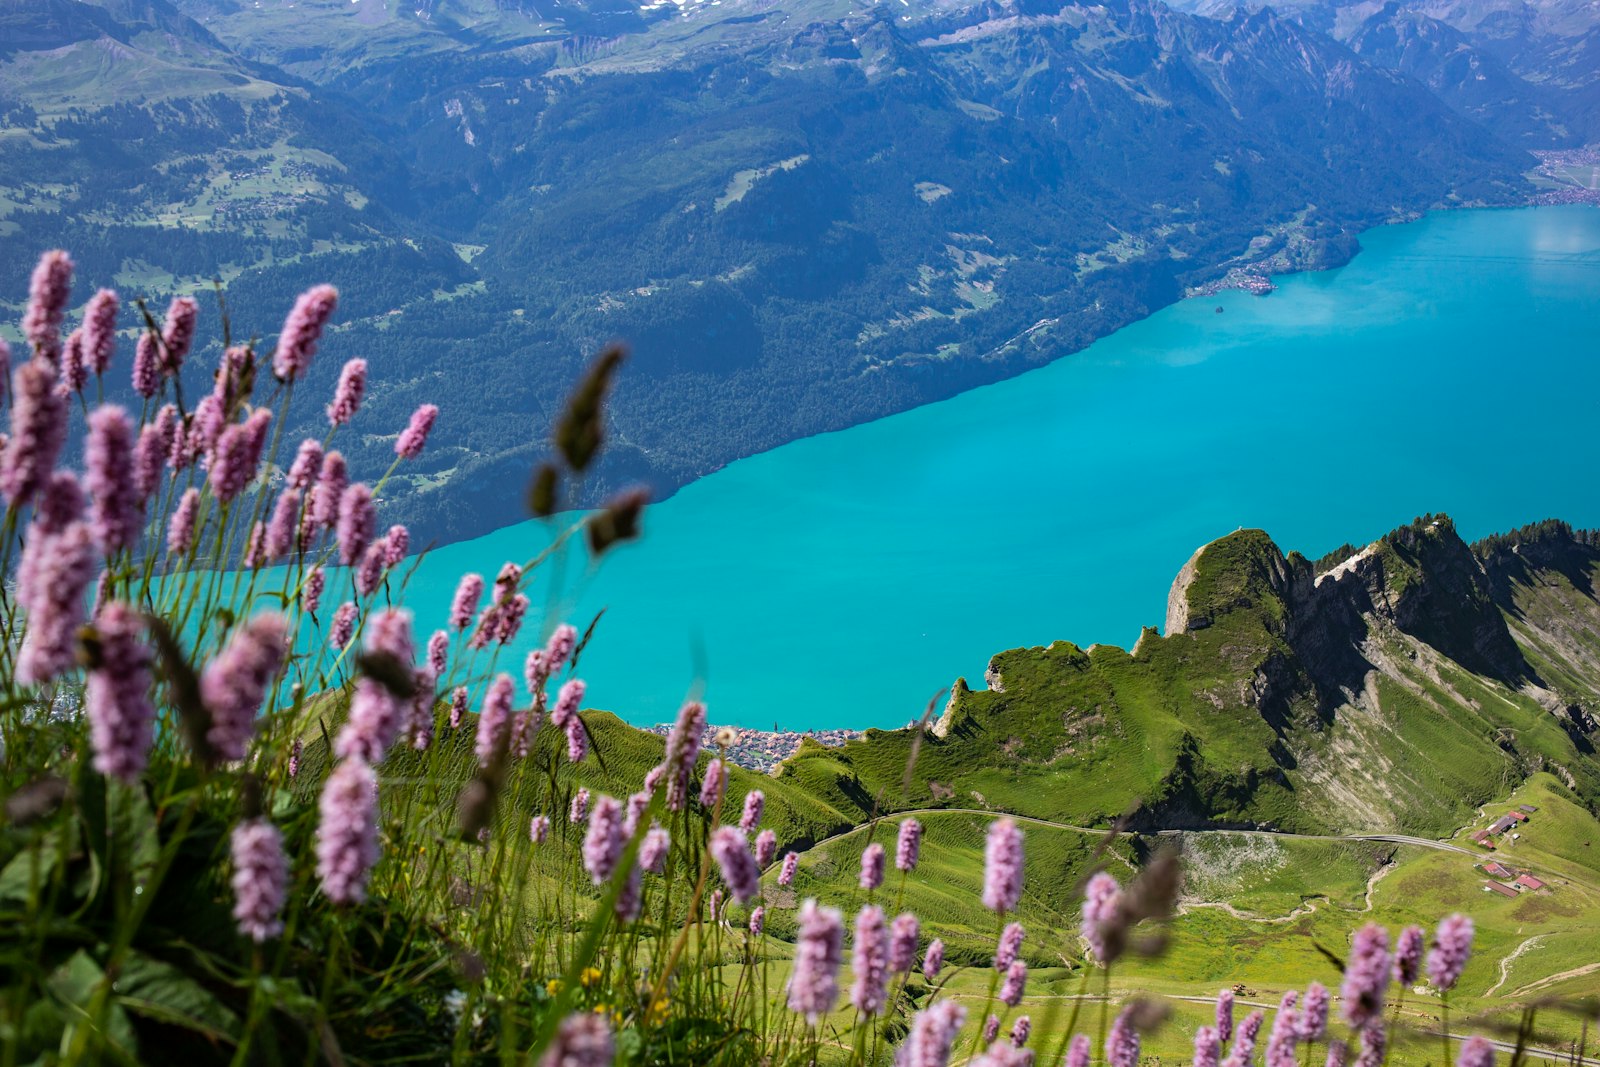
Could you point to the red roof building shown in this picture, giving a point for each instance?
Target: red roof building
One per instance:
(1496, 870)
(1518, 815)
(1503, 890)
(1528, 881)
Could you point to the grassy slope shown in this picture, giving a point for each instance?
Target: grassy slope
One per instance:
(1078, 737)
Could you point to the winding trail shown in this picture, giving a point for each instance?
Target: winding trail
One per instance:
(1397, 839)
(1505, 963)
(1550, 980)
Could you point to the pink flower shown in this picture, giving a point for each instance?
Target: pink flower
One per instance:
(180, 528)
(376, 713)
(711, 786)
(285, 521)
(343, 626)
(329, 491)
(1374, 1046)
(1225, 1015)
(358, 518)
(818, 952)
(538, 829)
(311, 595)
(458, 706)
(1011, 939)
(1122, 1045)
(1408, 955)
(294, 759)
(100, 330)
(577, 740)
(306, 466)
(1015, 982)
(567, 702)
(116, 511)
(74, 366)
(1102, 907)
(1207, 1047)
(60, 576)
(1313, 1020)
(231, 468)
(117, 700)
(604, 841)
(302, 330)
(1244, 1043)
(754, 801)
(494, 720)
(933, 1035)
(395, 545)
(582, 1040)
(438, 652)
(758, 920)
(1475, 1052)
(933, 959)
(234, 684)
(653, 850)
(260, 879)
(414, 436)
(150, 457)
(908, 845)
(146, 366)
(1002, 873)
(1366, 976)
(766, 847)
(1020, 1031)
(465, 605)
(872, 859)
(731, 850)
(47, 303)
(870, 961)
(1452, 945)
(578, 811)
(1285, 1032)
(1078, 1051)
(177, 333)
(38, 430)
(790, 863)
(904, 933)
(347, 394)
(370, 571)
(558, 649)
(347, 835)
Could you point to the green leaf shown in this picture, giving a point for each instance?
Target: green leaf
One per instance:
(161, 992)
(73, 985)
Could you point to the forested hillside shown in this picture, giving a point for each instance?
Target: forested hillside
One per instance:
(800, 216)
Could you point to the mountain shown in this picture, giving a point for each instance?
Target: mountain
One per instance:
(802, 214)
(1391, 689)
(1527, 69)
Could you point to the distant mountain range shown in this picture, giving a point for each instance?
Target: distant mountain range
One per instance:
(803, 214)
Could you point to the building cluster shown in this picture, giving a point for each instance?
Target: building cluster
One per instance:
(1504, 879)
(762, 750)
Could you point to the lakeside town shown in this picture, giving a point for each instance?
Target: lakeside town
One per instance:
(762, 750)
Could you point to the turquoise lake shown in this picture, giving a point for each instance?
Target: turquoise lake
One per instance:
(841, 580)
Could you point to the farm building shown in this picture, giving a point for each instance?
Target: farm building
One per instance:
(1528, 881)
(1517, 815)
(1529, 808)
(1496, 870)
(1503, 890)
(1502, 824)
